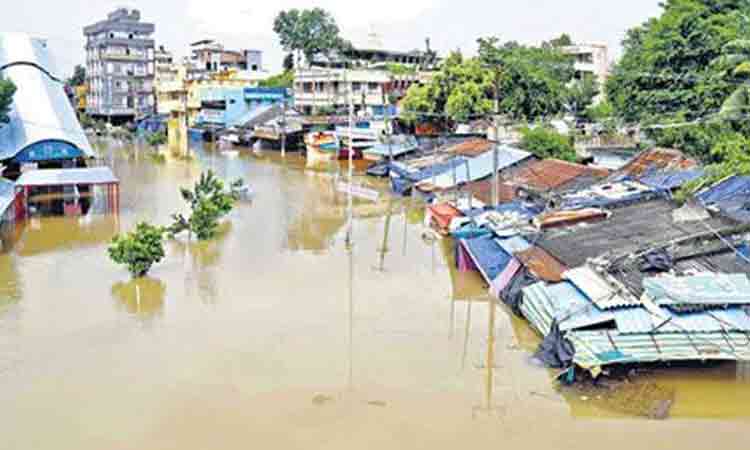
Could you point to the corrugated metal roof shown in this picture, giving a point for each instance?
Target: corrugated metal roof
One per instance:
(541, 264)
(598, 290)
(700, 289)
(657, 158)
(41, 111)
(513, 245)
(731, 196)
(568, 218)
(478, 167)
(482, 190)
(545, 302)
(67, 177)
(471, 147)
(639, 320)
(668, 180)
(553, 173)
(595, 349)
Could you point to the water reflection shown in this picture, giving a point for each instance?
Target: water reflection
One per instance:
(142, 297)
(53, 234)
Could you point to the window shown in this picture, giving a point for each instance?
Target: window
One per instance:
(321, 86)
(307, 87)
(356, 86)
(254, 68)
(372, 86)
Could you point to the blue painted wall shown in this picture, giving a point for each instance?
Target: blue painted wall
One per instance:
(240, 103)
(51, 150)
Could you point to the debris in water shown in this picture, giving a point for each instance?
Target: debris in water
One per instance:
(380, 403)
(321, 399)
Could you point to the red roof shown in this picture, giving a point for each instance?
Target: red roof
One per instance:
(472, 147)
(549, 174)
(657, 158)
(442, 215)
(542, 265)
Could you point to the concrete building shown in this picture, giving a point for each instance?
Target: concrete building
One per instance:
(120, 66)
(211, 56)
(591, 59)
(374, 78)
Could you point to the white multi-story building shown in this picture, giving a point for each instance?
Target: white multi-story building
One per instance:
(591, 59)
(120, 66)
(373, 78)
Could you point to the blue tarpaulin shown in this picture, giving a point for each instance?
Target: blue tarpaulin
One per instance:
(669, 180)
(489, 257)
(731, 197)
(406, 178)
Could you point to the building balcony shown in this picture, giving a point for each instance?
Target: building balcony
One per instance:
(123, 57)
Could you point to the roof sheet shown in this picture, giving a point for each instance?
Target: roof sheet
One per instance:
(41, 110)
(657, 158)
(541, 264)
(476, 168)
(483, 191)
(66, 177)
(700, 289)
(567, 218)
(628, 229)
(471, 147)
(639, 320)
(564, 303)
(553, 173)
(513, 245)
(731, 196)
(598, 290)
(668, 180)
(595, 349)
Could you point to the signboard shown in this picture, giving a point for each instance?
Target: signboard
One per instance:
(359, 191)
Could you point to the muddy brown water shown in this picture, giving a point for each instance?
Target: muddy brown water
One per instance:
(275, 336)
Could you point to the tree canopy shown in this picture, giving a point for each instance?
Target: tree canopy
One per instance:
(282, 80)
(309, 32)
(525, 83)
(7, 90)
(671, 66)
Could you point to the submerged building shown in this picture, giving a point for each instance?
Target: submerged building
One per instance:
(120, 66)
(43, 149)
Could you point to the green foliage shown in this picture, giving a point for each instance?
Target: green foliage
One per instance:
(288, 63)
(7, 91)
(156, 139)
(309, 32)
(547, 143)
(79, 76)
(461, 89)
(209, 201)
(581, 95)
(139, 249)
(564, 40)
(282, 80)
(599, 112)
(676, 65)
(531, 81)
(400, 69)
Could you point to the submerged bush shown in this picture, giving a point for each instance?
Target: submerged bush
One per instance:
(138, 249)
(209, 201)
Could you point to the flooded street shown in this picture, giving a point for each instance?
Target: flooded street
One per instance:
(275, 336)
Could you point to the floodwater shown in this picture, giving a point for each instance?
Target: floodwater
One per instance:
(275, 336)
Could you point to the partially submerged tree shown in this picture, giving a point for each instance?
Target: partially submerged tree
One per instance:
(156, 138)
(309, 32)
(209, 201)
(138, 249)
(7, 91)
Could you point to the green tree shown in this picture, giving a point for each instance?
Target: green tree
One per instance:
(79, 76)
(581, 94)
(209, 201)
(7, 91)
(462, 88)
(139, 249)
(547, 143)
(564, 40)
(309, 32)
(288, 63)
(531, 82)
(282, 80)
(668, 70)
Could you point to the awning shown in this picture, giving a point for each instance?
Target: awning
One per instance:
(67, 177)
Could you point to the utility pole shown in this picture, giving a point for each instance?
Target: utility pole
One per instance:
(496, 151)
(283, 128)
